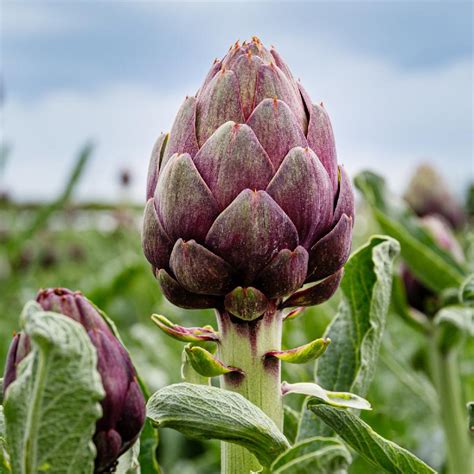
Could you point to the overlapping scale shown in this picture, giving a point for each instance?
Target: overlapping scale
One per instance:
(232, 160)
(250, 232)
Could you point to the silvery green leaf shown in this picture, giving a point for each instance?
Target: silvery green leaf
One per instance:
(418, 247)
(458, 316)
(453, 324)
(415, 381)
(207, 412)
(383, 453)
(52, 406)
(336, 399)
(4, 457)
(292, 419)
(128, 463)
(356, 331)
(318, 454)
(466, 292)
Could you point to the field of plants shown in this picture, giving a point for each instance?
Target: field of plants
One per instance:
(260, 312)
(97, 248)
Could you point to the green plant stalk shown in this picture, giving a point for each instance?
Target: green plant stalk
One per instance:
(244, 345)
(447, 380)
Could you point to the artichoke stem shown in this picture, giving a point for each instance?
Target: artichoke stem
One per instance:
(447, 379)
(244, 345)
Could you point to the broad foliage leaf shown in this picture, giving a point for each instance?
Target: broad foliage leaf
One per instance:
(419, 249)
(4, 457)
(458, 316)
(206, 412)
(321, 455)
(292, 418)
(53, 405)
(129, 463)
(349, 364)
(466, 292)
(359, 436)
(454, 323)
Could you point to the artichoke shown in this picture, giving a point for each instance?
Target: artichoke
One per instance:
(427, 194)
(245, 199)
(123, 408)
(418, 295)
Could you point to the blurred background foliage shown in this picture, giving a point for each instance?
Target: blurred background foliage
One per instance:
(96, 248)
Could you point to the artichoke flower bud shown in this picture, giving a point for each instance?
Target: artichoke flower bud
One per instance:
(427, 194)
(123, 408)
(245, 198)
(418, 295)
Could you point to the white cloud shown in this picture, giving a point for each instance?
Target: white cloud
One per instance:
(124, 121)
(390, 118)
(385, 118)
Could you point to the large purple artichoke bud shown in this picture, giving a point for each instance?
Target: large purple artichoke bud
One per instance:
(246, 201)
(123, 408)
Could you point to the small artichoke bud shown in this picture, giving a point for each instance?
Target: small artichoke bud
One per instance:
(428, 194)
(418, 295)
(246, 201)
(124, 405)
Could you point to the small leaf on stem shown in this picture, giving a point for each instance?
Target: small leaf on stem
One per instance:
(204, 363)
(193, 334)
(294, 313)
(302, 354)
(336, 399)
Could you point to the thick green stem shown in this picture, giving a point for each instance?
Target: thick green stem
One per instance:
(453, 414)
(243, 345)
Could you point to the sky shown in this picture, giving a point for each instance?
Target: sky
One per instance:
(395, 77)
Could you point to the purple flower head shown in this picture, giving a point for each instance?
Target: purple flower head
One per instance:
(246, 191)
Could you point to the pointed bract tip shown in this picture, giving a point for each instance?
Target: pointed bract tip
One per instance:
(294, 313)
